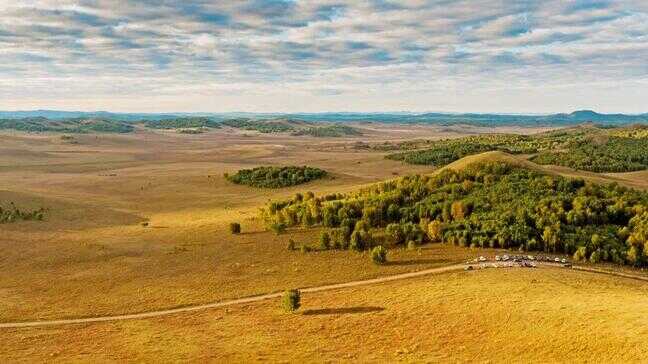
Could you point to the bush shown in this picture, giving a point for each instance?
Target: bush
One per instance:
(325, 241)
(411, 245)
(305, 248)
(291, 244)
(278, 228)
(379, 255)
(235, 228)
(291, 300)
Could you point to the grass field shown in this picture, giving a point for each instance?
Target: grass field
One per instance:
(92, 256)
(543, 315)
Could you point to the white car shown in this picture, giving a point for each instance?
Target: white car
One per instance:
(563, 261)
(482, 259)
(531, 257)
(497, 258)
(557, 260)
(505, 258)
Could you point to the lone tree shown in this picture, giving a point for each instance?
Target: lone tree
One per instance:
(291, 300)
(235, 228)
(379, 255)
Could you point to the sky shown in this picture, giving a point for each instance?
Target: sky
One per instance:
(521, 56)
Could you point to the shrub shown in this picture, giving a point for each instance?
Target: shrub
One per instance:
(411, 245)
(291, 244)
(291, 300)
(325, 241)
(235, 228)
(435, 231)
(278, 228)
(379, 255)
(305, 248)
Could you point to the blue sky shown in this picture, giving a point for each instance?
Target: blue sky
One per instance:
(309, 56)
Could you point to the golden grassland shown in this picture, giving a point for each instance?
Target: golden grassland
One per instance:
(498, 315)
(93, 257)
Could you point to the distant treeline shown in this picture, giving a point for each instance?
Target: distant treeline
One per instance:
(275, 177)
(590, 148)
(14, 214)
(566, 119)
(330, 131)
(488, 205)
(76, 125)
(183, 123)
(259, 125)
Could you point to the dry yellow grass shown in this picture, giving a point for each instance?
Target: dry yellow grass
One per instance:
(92, 257)
(538, 316)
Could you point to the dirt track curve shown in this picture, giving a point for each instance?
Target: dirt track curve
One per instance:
(263, 297)
(172, 311)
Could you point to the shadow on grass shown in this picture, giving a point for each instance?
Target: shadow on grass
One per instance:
(342, 310)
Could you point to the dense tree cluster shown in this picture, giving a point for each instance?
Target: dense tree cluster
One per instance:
(72, 125)
(488, 204)
(329, 131)
(585, 148)
(262, 126)
(616, 154)
(13, 214)
(183, 123)
(447, 151)
(276, 177)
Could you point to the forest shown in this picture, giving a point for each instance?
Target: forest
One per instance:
(275, 177)
(13, 214)
(329, 131)
(487, 204)
(183, 123)
(262, 126)
(585, 148)
(72, 125)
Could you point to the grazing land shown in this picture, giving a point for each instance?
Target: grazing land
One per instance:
(139, 221)
(433, 318)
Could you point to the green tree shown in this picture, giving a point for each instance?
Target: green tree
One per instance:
(379, 255)
(325, 240)
(291, 300)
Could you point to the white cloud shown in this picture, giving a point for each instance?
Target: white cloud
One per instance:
(318, 55)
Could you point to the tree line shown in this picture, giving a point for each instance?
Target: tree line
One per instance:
(488, 204)
(585, 148)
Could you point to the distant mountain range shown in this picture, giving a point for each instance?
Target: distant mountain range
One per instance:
(576, 117)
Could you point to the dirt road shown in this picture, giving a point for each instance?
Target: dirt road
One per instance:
(268, 296)
(172, 311)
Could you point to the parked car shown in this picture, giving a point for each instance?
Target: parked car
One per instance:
(498, 258)
(482, 259)
(557, 260)
(505, 258)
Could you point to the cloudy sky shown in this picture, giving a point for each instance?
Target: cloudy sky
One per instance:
(308, 56)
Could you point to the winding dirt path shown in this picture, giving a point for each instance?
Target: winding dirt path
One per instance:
(268, 296)
(263, 297)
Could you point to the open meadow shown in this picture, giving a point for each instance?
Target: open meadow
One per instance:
(139, 222)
